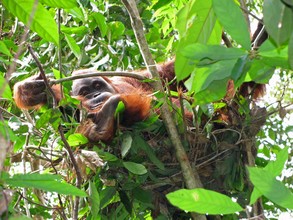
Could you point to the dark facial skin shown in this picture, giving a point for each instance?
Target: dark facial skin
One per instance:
(94, 91)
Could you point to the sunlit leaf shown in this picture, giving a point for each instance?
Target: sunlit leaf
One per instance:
(116, 29)
(42, 22)
(276, 167)
(77, 140)
(60, 4)
(271, 188)
(81, 30)
(203, 201)
(5, 90)
(73, 45)
(4, 49)
(195, 23)
(101, 22)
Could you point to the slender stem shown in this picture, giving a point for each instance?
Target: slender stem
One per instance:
(61, 132)
(98, 73)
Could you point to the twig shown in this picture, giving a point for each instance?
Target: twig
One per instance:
(244, 6)
(61, 132)
(252, 15)
(24, 190)
(190, 176)
(226, 40)
(43, 75)
(98, 73)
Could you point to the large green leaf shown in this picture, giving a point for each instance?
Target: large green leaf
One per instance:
(265, 181)
(278, 20)
(195, 23)
(274, 57)
(233, 21)
(209, 82)
(201, 52)
(203, 201)
(275, 168)
(60, 4)
(47, 182)
(259, 72)
(42, 22)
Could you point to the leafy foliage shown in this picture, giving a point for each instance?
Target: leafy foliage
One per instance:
(137, 175)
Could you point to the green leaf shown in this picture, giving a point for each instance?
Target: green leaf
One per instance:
(125, 201)
(276, 167)
(233, 21)
(126, 144)
(272, 56)
(52, 116)
(271, 188)
(116, 29)
(195, 23)
(207, 82)
(254, 195)
(47, 182)
(42, 23)
(5, 90)
(201, 52)
(278, 20)
(4, 49)
(142, 195)
(77, 140)
(203, 201)
(77, 13)
(259, 72)
(81, 30)
(60, 4)
(94, 199)
(290, 51)
(140, 143)
(240, 69)
(120, 108)
(101, 22)
(135, 168)
(73, 45)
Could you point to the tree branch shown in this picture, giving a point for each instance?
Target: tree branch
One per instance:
(190, 175)
(61, 132)
(98, 73)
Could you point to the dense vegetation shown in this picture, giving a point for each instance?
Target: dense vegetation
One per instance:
(240, 149)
